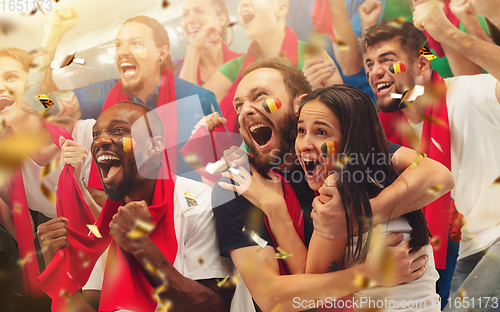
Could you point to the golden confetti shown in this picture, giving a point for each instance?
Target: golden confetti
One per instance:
(201, 259)
(50, 167)
(343, 47)
(28, 258)
(437, 145)
(496, 182)
(433, 190)
(281, 254)
(156, 271)
(231, 24)
(160, 289)
(65, 294)
(243, 229)
(397, 22)
(221, 283)
(433, 120)
(16, 148)
(436, 242)
(426, 53)
(277, 309)
(165, 4)
(94, 230)
(417, 160)
(363, 281)
(342, 162)
(86, 259)
(256, 238)
(165, 306)
(140, 229)
(17, 208)
(46, 102)
(191, 201)
(461, 294)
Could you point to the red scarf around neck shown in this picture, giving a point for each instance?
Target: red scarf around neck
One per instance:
(21, 216)
(168, 115)
(288, 48)
(228, 55)
(295, 212)
(70, 268)
(436, 213)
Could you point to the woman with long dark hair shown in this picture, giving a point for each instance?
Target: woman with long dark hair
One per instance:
(359, 168)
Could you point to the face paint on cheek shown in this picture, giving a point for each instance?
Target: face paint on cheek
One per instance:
(397, 68)
(141, 53)
(272, 105)
(126, 144)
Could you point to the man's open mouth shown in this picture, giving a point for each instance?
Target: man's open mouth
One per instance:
(381, 87)
(311, 166)
(6, 102)
(247, 17)
(128, 69)
(261, 133)
(109, 165)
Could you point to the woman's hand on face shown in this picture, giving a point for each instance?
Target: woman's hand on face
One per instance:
(209, 33)
(264, 193)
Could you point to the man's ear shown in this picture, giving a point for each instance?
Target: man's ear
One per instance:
(296, 104)
(164, 51)
(158, 144)
(423, 65)
(282, 9)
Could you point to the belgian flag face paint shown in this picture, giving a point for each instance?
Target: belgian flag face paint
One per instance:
(271, 105)
(329, 149)
(397, 68)
(127, 144)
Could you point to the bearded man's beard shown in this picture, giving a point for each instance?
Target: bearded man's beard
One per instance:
(286, 133)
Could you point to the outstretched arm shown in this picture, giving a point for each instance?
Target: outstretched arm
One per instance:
(409, 192)
(66, 106)
(430, 17)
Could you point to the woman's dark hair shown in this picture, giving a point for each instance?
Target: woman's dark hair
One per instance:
(363, 140)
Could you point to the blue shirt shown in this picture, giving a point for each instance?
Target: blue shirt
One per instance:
(189, 110)
(299, 19)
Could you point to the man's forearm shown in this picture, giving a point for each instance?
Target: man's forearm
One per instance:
(184, 293)
(410, 191)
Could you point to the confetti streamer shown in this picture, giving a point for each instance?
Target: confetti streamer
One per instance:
(153, 269)
(160, 289)
(256, 238)
(433, 120)
(437, 145)
(426, 53)
(126, 144)
(46, 102)
(51, 166)
(272, 105)
(221, 283)
(363, 281)
(65, 60)
(94, 230)
(433, 190)
(417, 160)
(191, 201)
(140, 229)
(165, 306)
(397, 68)
(281, 254)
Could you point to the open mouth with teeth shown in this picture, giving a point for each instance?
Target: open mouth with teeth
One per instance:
(383, 86)
(247, 17)
(193, 32)
(109, 165)
(128, 69)
(6, 102)
(261, 134)
(311, 167)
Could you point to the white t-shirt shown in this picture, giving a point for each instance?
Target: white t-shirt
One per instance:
(474, 117)
(198, 252)
(417, 295)
(82, 134)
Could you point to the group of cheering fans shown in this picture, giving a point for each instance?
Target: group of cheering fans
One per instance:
(319, 193)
